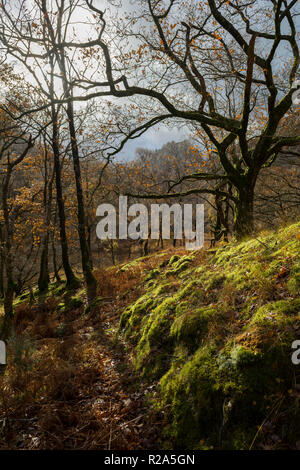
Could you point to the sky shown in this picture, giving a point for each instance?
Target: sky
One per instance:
(152, 140)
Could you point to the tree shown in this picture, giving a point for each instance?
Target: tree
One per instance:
(195, 65)
(56, 60)
(194, 49)
(9, 140)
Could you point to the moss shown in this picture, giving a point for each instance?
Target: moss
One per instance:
(191, 327)
(57, 289)
(132, 264)
(179, 264)
(93, 304)
(152, 275)
(18, 301)
(279, 312)
(293, 283)
(24, 296)
(215, 281)
(61, 307)
(193, 288)
(132, 316)
(69, 303)
(60, 288)
(218, 338)
(153, 335)
(193, 398)
(174, 259)
(74, 302)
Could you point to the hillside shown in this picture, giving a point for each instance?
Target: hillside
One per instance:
(216, 329)
(198, 344)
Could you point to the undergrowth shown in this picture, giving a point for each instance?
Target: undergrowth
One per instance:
(64, 387)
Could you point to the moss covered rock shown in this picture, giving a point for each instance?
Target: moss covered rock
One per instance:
(216, 331)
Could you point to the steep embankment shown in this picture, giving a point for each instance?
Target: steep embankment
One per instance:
(210, 336)
(216, 330)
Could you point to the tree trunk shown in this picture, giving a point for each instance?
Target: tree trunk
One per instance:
(9, 289)
(70, 277)
(1, 266)
(91, 283)
(90, 280)
(44, 279)
(89, 242)
(7, 322)
(243, 214)
(55, 269)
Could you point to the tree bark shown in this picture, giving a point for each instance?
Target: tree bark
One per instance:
(91, 283)
(1, 266)
(55, 269)
(44, 279)
(7, 232)
(243, 214)
(70, 277)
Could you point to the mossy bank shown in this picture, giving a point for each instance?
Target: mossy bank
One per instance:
(215, 329)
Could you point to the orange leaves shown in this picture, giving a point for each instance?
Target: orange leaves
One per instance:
(139, 51)
(284, 271)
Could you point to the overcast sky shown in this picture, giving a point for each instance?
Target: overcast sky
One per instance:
(153, 139)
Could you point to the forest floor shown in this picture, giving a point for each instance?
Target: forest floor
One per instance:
(180, 350)
(70, 382)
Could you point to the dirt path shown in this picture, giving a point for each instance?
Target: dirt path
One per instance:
(119, 402)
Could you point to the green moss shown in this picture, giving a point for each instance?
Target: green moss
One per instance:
(152, 275)
(195, 402)
(191, 327)
(279, 312)
(153, 335)
(293, 284)
(218, 337)
(93, 304)
(61, 307)
(24, 296)
(193, 288)
(174, 259)
(179, 264)
(58, 289)
(132, 264)
(69, 303)
(74, 302)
